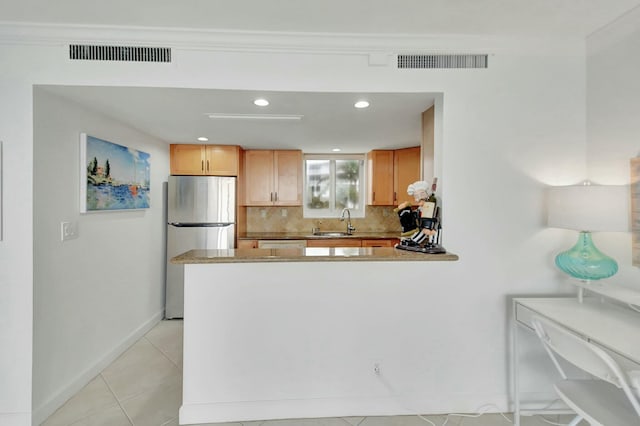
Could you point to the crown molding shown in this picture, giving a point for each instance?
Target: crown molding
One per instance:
(288, 42)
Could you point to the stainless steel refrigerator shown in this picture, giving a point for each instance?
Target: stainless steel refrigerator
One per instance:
(201, 214)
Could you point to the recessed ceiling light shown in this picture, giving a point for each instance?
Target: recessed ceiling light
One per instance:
(203, 139)
(336, 150)
(261, 102)
(361, 104)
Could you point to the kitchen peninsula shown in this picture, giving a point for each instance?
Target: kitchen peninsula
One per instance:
(304, 332)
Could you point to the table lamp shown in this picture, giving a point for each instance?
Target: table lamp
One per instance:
(586, 208)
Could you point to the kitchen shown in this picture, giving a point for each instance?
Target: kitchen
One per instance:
(219, 383)
(503, 247)
(270, 182)
(52, 98)
(202, 202)
(217, 386)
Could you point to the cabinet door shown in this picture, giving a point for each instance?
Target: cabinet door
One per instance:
(406, 170)
(380, 242)
(334, 242)
(380, 168)
(186, 159)
(288, 178)
(222, 160)
(247, 244)
(258, 178)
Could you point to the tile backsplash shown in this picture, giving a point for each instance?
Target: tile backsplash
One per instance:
(289, 219)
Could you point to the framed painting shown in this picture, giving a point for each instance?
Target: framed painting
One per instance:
(635, 210)
(112, 177)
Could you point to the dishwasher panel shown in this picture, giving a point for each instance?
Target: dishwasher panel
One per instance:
(276, 244)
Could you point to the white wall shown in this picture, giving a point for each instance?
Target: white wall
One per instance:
(92, 295)
(506, 131)
(613, 128)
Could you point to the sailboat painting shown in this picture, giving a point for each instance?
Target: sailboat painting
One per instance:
(635, 210)
(112, 176)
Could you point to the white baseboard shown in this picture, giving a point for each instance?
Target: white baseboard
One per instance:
(540, 400)
(336, 407)
(41, 413)
(15, 419)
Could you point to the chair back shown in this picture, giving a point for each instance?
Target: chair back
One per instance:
(584, 355)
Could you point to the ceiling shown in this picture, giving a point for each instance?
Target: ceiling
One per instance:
(329, 119)
(576, 18)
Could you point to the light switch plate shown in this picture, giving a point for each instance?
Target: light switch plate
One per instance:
(68, 230)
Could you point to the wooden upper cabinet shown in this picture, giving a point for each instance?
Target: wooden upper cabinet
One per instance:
(406, 170)
(273, 178)
(380, 182)
(288, 178)
(186, 160)
(389, 174)
(210, 160)
(222, 160)
(258, 177)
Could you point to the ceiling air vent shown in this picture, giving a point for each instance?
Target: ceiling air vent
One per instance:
(442, 61)
(119, 53)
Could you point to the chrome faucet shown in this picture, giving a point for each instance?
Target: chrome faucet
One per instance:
(350, 227)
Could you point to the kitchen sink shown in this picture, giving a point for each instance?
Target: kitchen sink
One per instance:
(331, 234)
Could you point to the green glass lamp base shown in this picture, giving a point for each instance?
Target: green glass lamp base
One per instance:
(585, 262)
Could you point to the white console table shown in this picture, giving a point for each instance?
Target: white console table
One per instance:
(608, 316)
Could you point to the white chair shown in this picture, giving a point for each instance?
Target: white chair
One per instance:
(611, 401)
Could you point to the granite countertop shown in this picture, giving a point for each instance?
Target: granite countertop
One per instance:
(309, 236)
(308, 254)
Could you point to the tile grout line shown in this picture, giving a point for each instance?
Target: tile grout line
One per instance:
(117, 400)
(163, 354)
(168, 421)
(351, 424)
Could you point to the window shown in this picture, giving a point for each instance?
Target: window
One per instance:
(332, 183)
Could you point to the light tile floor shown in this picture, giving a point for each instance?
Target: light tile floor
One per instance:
(143, 387)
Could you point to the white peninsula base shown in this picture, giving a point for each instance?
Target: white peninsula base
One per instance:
(325, 339)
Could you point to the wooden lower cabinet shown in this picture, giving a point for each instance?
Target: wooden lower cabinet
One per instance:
(246, 244)
(333, 242)
(380, 243)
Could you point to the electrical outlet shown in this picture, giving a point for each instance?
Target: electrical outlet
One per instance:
(68, 230)
(284, 212)
(376, 366)
(263, 214)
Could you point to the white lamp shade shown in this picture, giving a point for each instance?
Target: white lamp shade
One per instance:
(589, 207)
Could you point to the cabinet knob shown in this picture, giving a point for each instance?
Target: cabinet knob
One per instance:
(202, 165)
